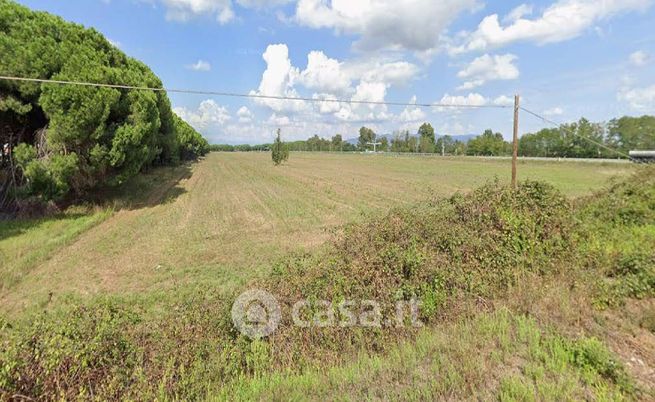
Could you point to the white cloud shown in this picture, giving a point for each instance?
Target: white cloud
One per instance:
(639, 98)
(262, 3)
(365, 79)
(221, 10)
(245, 115)
(393, 73)
(208, 114)
(384, 24)
(200, 65)
(472, 99)
(503, 101)
(184, 10)
(488, 68)
(556, 111)
(518, 13)
(324, 74)
(564, 20)
(279, 121)
(330, 75)
(326, 107)
(639, 58)
(370, 92)
(278, 80)
(366, 92)
(412, 113)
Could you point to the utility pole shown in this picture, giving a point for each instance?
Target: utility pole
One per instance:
(375, 145)
(515, 148)
(443, 146)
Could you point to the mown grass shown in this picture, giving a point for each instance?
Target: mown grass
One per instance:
(226, 220)
(26, 243)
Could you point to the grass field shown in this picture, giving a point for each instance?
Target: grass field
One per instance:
(139, 285)
(224, 220)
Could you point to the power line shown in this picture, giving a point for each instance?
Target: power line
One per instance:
(250, 95)
(561, 127)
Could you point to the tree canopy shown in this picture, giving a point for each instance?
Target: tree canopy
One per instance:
(366, 135)
(488, 144)
(92, 135)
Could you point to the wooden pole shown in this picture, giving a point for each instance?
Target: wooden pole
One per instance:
(515, 148)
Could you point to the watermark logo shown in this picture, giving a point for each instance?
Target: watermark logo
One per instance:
(256, 314)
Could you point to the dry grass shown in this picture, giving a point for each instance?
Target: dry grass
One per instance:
(226, 221)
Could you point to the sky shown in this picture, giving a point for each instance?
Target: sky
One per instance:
(566, 59)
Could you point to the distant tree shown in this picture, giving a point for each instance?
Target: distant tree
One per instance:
(632, 133)
(279, 150)
(488, 144)
(337, 142)
(412, 144)
(221, 148)
(366, 135)
(384, 144)
(426, 138)
(547, 142)
(445, 143)
(398, 143)
(460, 148)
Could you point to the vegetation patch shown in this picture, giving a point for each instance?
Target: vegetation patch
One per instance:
(65, 140)
(457, 256)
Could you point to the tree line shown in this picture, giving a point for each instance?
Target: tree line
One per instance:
(581, 139)
(63, 140)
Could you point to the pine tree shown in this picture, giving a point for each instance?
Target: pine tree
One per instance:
(279, 150)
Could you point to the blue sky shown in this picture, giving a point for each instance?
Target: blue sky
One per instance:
(566, 58)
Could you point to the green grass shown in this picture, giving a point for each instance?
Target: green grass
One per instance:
(497, 355)
(24, 244)
(230, 216)
(140, 307)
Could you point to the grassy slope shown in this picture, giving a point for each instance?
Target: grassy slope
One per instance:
(230, 217)
(234, 214)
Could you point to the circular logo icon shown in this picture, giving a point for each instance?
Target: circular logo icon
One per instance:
(256, 314)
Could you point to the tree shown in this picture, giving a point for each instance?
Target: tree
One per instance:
(632, 133)
(412, 144)
(337, 143)
(366, 135)
(279, 150)
(95, 136)
(384, 144)
(447, 144)
(488, 144)
(426, 136)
